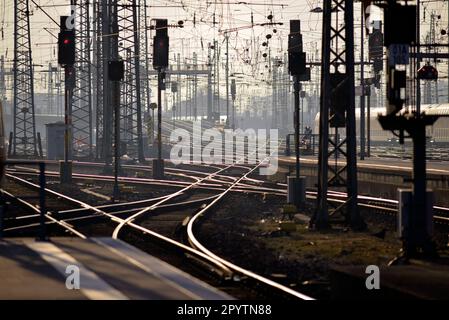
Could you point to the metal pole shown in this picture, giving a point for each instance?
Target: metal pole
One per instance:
(195, 87)
(217, 80)
(116, 106)
(302, 116)
(152, 126)
(296, 88)
(108, 15)
(66, 117)
(159, 114)
(209, 88)
(2, 212)
(362, 84)
(353, 215)
(321, 218)
(147, 61)
(227, 80)
(140, 154)
(417, 218)
(368, 125)
(447, 34)
(418, 62)
(42, 231)
(233, 114)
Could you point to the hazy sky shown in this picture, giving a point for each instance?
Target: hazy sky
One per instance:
(245, 44)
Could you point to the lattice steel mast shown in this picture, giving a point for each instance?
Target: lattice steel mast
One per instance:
(130, 104)
(82, 94)
(104, 114)
(2, 79)
(24, 140)
(97, 75)
(338, 99)
(144, 56)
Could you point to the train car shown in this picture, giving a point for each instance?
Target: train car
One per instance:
(438, 134)
(2, 145)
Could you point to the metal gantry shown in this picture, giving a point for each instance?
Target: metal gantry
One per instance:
(107, 16)
(97, 85)
(195, 86)
(82, 94)
(2, 79)
(24, 139)
(130, 104)
(274, 93)
(285, 85)
(337, 83)
(145, 91)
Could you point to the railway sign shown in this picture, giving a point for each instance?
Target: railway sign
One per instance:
(398, 54)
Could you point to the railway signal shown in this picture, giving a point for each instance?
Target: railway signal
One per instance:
(399, 35)
(297, 69)
(66, 58)
(66, 47)
(116, 70)
(161, 45)
(233, 96)
(160, 63)
(115, 75)
(428, 72)
(375, 41)
(415, 209)
(160, 53)
(296, 56)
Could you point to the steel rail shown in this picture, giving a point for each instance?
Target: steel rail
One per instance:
(174, 244)
(47, 215)
(196, 244)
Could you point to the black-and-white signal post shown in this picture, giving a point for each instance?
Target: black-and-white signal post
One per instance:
(415, 205)
(160, 63)
(296, 193)
(66, 58)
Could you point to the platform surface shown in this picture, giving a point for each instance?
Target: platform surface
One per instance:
(417, 280)
(108, 269)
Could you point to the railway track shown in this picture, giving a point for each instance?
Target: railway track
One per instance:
(169, 202)
(184, 208)
(220, 182)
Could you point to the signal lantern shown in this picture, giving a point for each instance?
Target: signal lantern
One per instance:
(428, 72)
(296, 56)
(66, 47)
(161, 45)
(116, 70)
(160, 52)
(233, 89)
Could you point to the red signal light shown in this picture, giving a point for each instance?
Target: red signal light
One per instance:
(66, 47)
(428, 72)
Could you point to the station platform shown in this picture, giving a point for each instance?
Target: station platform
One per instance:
(109, 269)
(433, 167)
(418, 280)
(377, 177)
